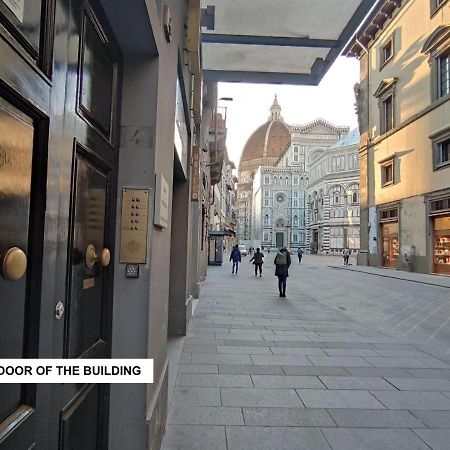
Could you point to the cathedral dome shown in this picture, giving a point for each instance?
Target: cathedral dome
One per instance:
(270, 140)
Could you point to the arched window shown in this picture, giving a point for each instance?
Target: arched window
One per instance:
(287, 181)
(266, 219)
(295, 221)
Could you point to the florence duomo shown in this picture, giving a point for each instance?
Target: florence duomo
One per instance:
(299, 186)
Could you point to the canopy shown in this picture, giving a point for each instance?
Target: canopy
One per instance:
(282, 41)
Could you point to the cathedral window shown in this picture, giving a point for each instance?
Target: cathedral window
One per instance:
(266, 219)
(266, 179)
(287, 181)
(295, 180)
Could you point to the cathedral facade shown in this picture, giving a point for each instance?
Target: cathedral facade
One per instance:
(275, 184)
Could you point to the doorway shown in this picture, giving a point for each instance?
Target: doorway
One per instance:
(390, 244)
(279, 240)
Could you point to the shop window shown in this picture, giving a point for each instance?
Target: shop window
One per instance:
(442, 244)
(387, 51)
(387, 173)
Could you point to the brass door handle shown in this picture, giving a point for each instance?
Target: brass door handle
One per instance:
(93, 257)
(13, 264)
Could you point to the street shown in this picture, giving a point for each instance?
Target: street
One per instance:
(348, 360)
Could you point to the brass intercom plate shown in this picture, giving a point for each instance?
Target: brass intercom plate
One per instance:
(134, 226)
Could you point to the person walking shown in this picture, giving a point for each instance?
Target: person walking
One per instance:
(300, 255)
(257, 259)
(346, 254)
(282, 262)
(235, 256)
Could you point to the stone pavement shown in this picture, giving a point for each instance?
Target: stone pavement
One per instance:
(328, 367)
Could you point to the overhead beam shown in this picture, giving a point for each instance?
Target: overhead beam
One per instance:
(234, 76)
(280, 41)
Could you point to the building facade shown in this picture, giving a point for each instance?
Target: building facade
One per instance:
(284, 188)
(403, 101)
(332, 197)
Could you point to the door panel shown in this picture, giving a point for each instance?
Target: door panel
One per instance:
(87, 298)
(16, 164)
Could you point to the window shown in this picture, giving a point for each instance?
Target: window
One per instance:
(295, 203)
(441, 148)
(387, 51)
(385, 95)
(443, 73)
(280, 198)
(295, 180)
(436, 4)
(295, 221)
(266, 202)
(266, 237)
(295, 194)
(266, 220)
(387, 173)
(387, 114)
(266, 179)
(287, 181)
(266, 193)
(355, 197)
(294, 238)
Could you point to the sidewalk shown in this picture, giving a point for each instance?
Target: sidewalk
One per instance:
(262, 372)
(432, 280)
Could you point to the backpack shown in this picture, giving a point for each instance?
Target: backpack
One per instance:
(281, 259)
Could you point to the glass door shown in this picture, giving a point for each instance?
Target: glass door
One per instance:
(390, 244)
(442, 245)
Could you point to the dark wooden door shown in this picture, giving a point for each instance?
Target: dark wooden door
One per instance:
(59, 91)
(87, 330)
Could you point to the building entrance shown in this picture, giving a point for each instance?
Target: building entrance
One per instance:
(441, 226)
(279, 239)
(390, 244)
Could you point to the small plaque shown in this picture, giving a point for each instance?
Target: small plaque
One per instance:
(88, 283)
(161, 202)
(16, 7)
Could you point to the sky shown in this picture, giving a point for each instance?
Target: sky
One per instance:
(332, 100)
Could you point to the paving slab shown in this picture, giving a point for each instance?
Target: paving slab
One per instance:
(413, 400)
(436, 439)
(284, 381)
(434, 419)
(346, 382)
(340, 361)
(321, 398)
(263, 438)
(198, 368)
(215, 380)
(373, 439)
(420, 384)
(288, 417)
(195, 437)
(248, 369)
(281, 360)
(205, 415)
(260, 397)
(375, 418)
(195, 396)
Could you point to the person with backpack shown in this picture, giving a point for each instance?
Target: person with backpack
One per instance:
(235, 256)
(282, 262)
(300, 255)
(257, 259)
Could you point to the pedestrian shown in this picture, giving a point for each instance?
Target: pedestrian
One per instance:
(346, 254)
(300, 255)
(257, 259)
(282, 262)
(235, 256)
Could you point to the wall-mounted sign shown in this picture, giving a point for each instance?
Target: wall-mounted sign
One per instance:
(161, 202)
(195, 175)
(16, 7)
(181, 138)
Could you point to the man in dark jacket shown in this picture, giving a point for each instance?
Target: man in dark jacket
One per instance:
(282, 262)
(235, 257)
(257, 259)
